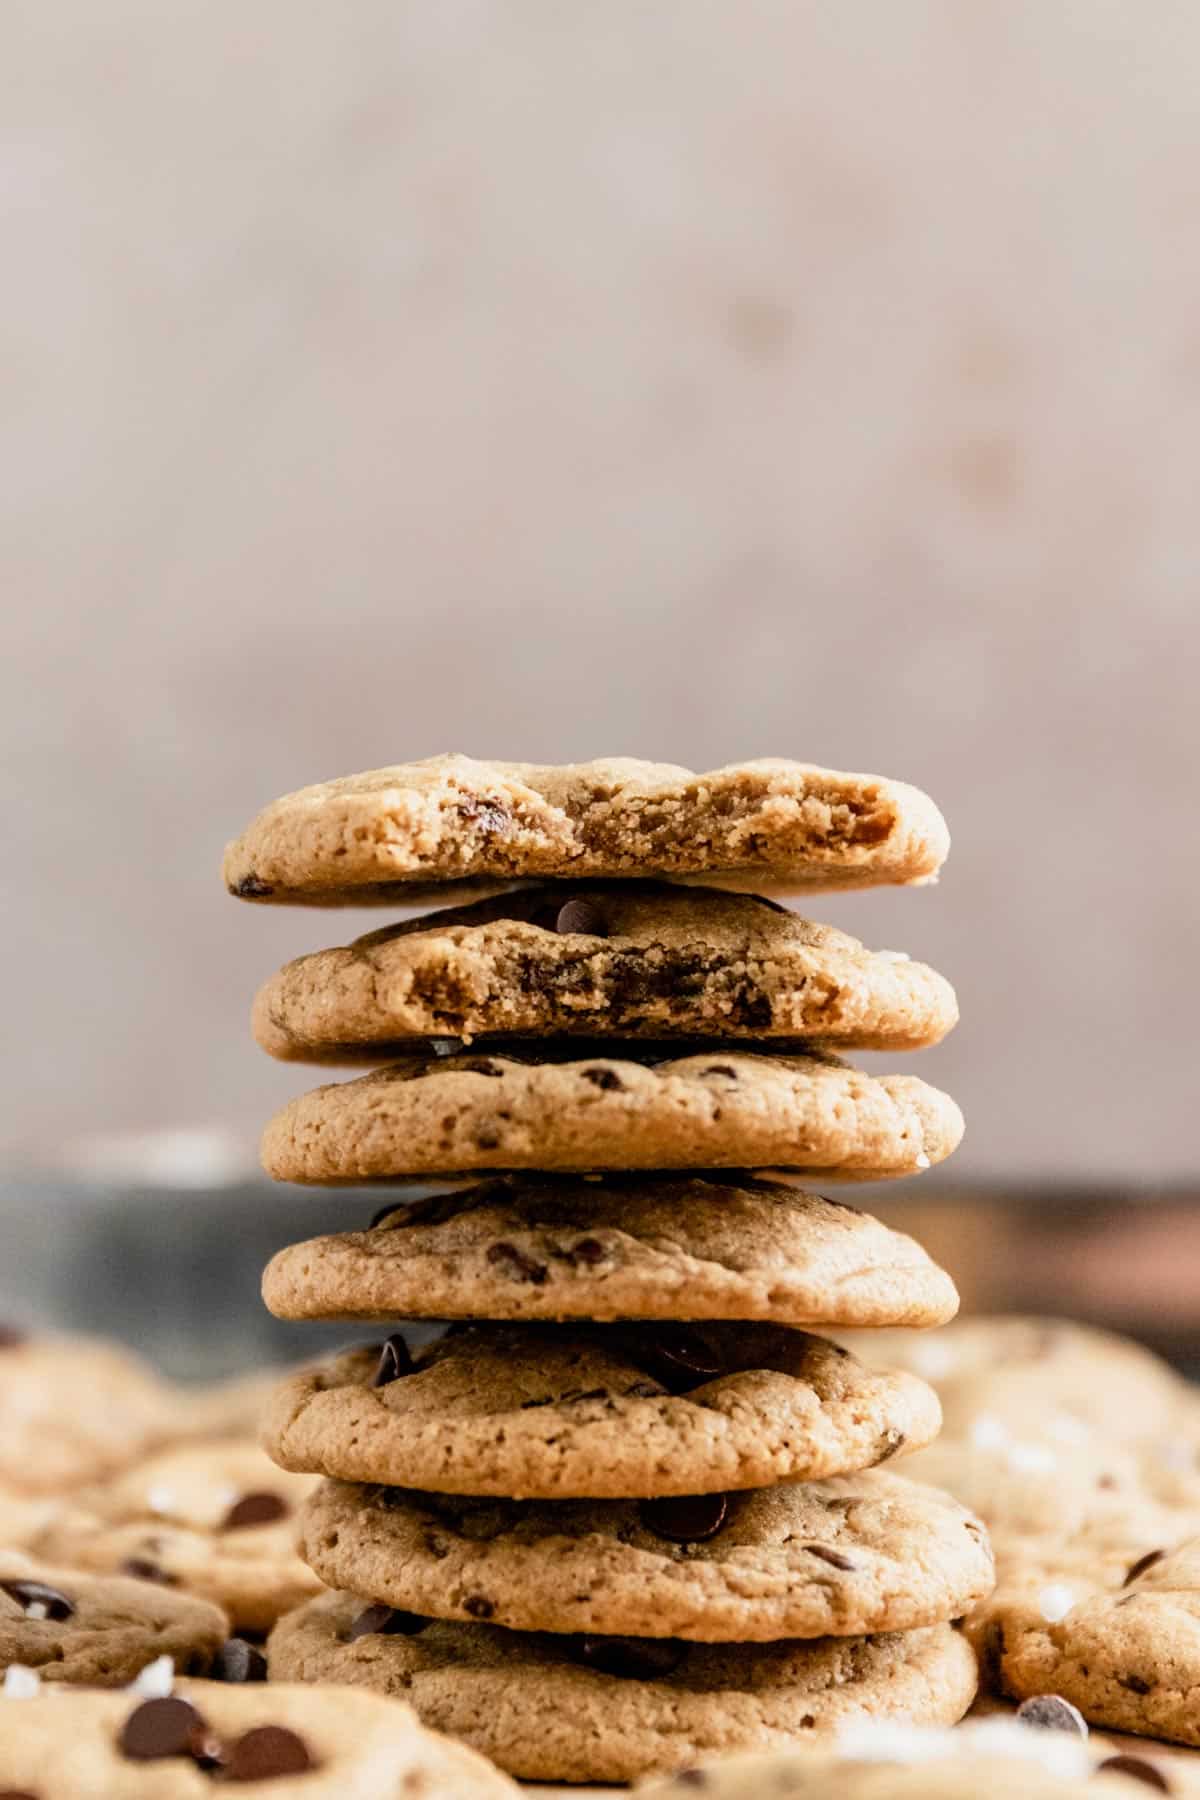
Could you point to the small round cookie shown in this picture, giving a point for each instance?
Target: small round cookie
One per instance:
(996, 1757)
(1041, 1377)
(73, 1409)
(545, 1412)
(1128, 1658)
(603, 960)
(856, 1554)
(613, 1708)
(218, 1520)
(279, 1741)
(431, 1115)
(99, 1629)
(768, 823)
(617, 1247)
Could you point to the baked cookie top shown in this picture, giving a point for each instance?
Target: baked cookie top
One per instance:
(288, 1743)
(613, 1247)
(855, 1554)
(551, 1708)
(601, 959)
(217, 1520)
(100, 1629)
(768, 823)
(432, 1115)
(529, 1411)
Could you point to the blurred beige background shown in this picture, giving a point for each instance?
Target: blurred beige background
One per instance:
(683, 380)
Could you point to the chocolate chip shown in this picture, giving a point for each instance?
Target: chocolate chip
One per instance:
(159, 1728)
(685, 1518)
(254, 1509)
(834, 1558)
(265, 1752)
(513, 1262)
(720, 1069)
(385, 1621)
(680, 1357)
(891, 1441)
(582, 918)
(250, 887)
(11, 1337)
(238, 1661)
(479, 1065)
(479, 1606)
(634, 1659)
(490, 815)
(1050, 1712)
(1142, 1564)
(589, 1251)
(605, 1079)
(143, 1570)
(1137, 1769)
(49, 1602)
(394, 1361)
(1134, 1683)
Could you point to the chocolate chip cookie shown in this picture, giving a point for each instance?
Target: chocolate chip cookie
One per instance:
(856, 1554)
(551, 1708)
(769, 823)
(217, 1520)
(616, 1247)
(545, 1412)
(72, 1409)
(99, 1629)
(278, 1740)
(431, 1115)
(601, 960)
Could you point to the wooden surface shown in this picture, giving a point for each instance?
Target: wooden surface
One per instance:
(1182, 1764)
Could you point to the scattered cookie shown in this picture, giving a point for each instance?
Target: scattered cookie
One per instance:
(218, 1520)
(73, 1409)
(616, 1247)
(1128, 1658)
(532, 1412)
(552, 1708)
(885, 1761)
(280, 1740)
(862, 1553)
(99, 1629)
(601, 960)
(431, 1115)
(763, 824)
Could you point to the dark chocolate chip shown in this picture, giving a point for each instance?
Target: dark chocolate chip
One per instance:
(1134, 1683)
(394, 1361)
(834, 1558)
(1143, 1563)
(385, 1621)
(238, 1661)
(582, 918)
(11, 1337)
(634, 1659)
(479, 1606)
(159, 1728)
(724, 1069)
(254, 1509)
(680, 1357)
(515, 1263)
(1137, 1769)
(589, 1251)
(685, 1518)
(606, 1079)
(1050, 1712)
(142, 1569)
(891, 1441)
(27, 1594)
(265, 1752)
(250, 887)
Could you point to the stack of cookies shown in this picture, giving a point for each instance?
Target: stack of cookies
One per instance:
(624, 1511)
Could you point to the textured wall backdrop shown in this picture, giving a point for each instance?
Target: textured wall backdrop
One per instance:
(685, 380)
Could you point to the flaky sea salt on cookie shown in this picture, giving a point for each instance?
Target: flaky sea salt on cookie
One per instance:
(763, 824)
